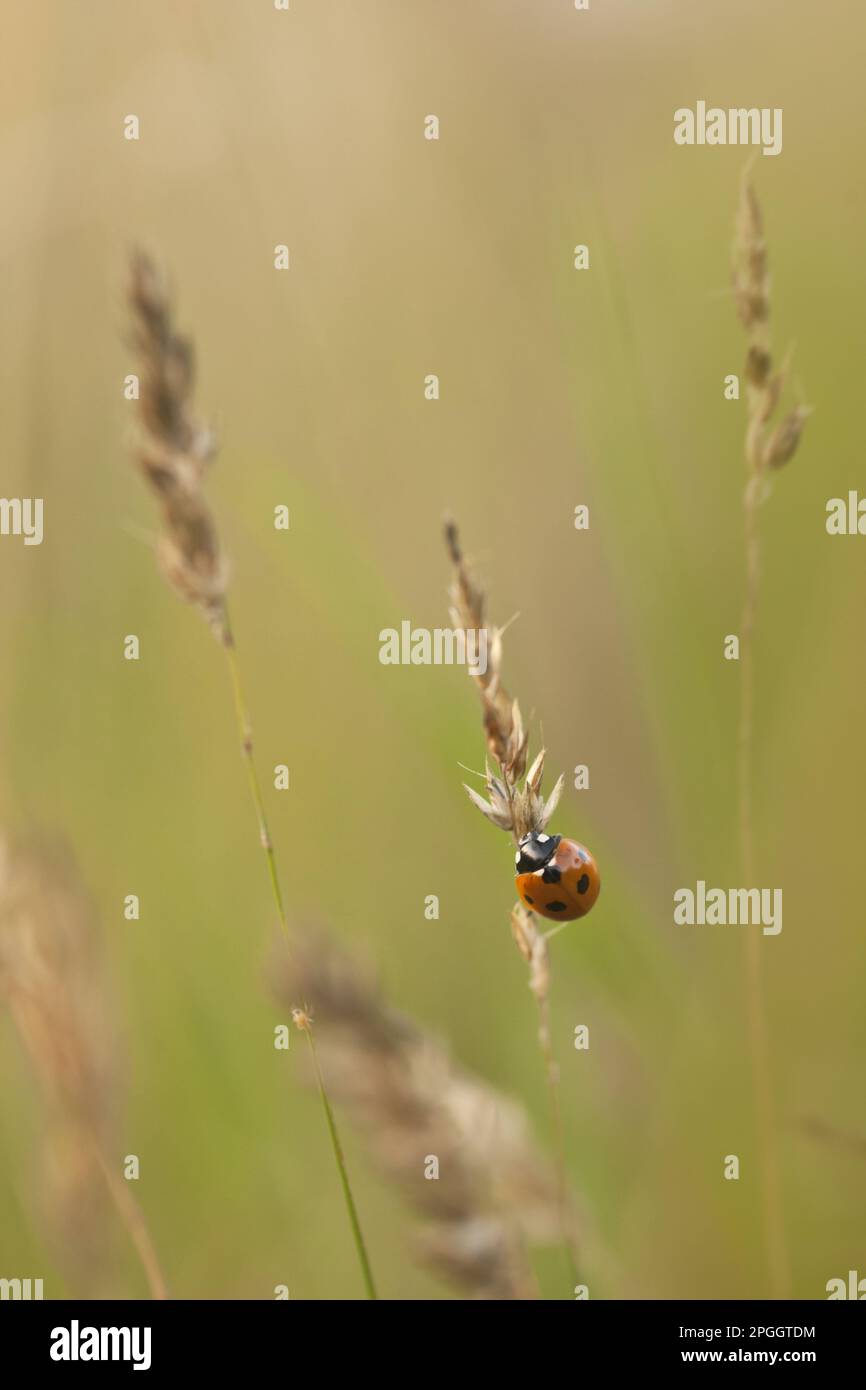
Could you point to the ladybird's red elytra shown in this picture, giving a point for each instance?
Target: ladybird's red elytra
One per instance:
(556, 878)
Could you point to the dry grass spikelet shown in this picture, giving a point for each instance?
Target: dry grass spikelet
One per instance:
(175, 449)
(53, 986)
(532, 944)
(765, 448)
(509, 806)
(50, 982)
(751, 272)
(410, 1101)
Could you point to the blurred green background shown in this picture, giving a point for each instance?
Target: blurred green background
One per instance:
(557, 387)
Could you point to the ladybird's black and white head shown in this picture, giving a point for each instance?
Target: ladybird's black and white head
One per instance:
(536, 850)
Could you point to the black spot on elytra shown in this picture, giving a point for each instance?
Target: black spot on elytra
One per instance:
(528, 899)
(554, 907)
(551, 874)
(583, 883)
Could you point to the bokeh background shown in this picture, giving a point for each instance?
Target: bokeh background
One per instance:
(557, 387)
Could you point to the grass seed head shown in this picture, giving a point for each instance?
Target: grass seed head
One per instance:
(766, 448)
(782, 443)
(750, 267)
(509, 806)
(410, 1101)
(52, 986)
(175, 449)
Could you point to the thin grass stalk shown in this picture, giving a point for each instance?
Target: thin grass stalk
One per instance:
(133, 1219)
(533, 946)
(517, 809)
(245, 730)
(766, 450)
(759, 1043)
(305, 1023)
(558, 1133)
(174, 454)
(246, 737)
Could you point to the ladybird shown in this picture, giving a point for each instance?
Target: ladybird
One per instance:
(557, 878)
